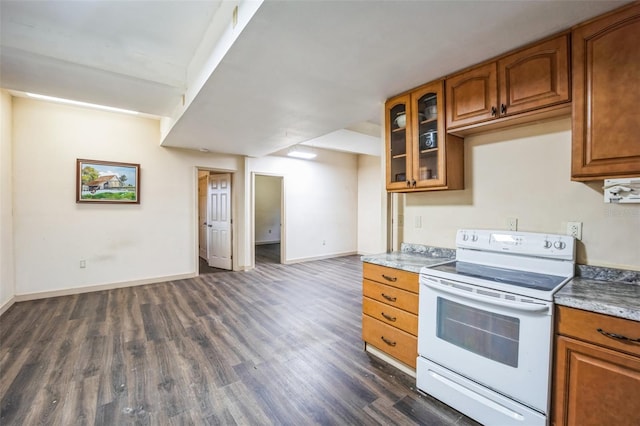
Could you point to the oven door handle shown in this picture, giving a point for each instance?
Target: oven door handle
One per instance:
(519, 306)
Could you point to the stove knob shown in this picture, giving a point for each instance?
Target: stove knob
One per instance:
(559, 245)
(474, 237)
(547, 244)
(465, 237)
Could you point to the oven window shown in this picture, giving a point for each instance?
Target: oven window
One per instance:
(488, 334)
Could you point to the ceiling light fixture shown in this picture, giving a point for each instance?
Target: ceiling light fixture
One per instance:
(301, 152)
(82, 104)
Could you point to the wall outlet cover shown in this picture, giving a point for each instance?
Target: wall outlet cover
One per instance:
(574, 229)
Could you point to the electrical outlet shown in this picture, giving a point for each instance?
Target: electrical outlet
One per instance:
(512, 223)
(324, 242)
(83, 264)
(418, 221)
(574, 229)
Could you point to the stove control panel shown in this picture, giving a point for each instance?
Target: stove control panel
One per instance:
(556, 246)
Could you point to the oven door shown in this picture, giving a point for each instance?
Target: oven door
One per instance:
(497, 339)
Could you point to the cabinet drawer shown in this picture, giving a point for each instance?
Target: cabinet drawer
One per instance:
(584, 325)
(397, 343)
(390, 276)
(390, 315)
(392, 296)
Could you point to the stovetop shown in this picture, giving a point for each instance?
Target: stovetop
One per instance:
(517, 278)
(523, 263)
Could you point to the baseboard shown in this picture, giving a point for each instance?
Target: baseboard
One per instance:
(390, 360)
(326, 256)
(6, 305)
(263, 243)
(79, 290)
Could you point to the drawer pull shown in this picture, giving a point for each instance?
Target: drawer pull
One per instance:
(617, 336)
(389, 298)
(389, 317)
(388, 278)
(387, 341)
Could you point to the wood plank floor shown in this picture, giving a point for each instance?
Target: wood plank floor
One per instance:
(278, 345)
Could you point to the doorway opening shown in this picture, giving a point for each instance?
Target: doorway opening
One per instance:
(268, 214)
(215, 236)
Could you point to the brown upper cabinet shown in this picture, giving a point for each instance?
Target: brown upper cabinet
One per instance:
(420, 156)
(606, 93)
(530, 80)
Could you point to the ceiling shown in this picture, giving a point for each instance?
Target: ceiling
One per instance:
(283, 73)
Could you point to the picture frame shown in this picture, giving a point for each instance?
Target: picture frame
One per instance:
(107, 182)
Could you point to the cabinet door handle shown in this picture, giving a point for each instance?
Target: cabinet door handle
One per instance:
(503, 109)
(389, 298)
(494, 111)
(389, 317)
(408, 183)
(413, 183)
(388, 278)
(617, 336)
(387, 341)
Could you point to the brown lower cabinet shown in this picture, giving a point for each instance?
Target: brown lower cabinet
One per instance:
(596, 377)
(390, 312)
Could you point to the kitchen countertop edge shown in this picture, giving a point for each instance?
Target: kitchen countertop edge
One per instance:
(405, 261)
(412, 257)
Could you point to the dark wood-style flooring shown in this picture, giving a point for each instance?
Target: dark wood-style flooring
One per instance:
(278, 345)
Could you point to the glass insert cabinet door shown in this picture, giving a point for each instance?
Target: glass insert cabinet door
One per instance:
(399, 138)
(414, 126)
(428, 151)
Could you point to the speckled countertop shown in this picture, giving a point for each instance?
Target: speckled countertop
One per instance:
(412, 257)
(614, 292)
(607, 291)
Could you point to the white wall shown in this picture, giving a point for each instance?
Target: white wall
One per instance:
(126, 244)
(7, 277)
(525, 173)
(267, 209)
(156, 240)
(320, 203)
(371, 197)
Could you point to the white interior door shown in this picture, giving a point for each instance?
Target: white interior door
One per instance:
(219, 221)
(202, 217)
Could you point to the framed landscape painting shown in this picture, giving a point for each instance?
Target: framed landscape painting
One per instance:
(107, 182)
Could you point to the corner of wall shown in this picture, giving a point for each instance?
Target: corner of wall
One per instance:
(7, 266)
(5, 306)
